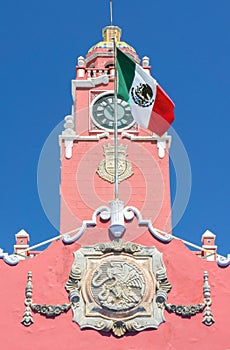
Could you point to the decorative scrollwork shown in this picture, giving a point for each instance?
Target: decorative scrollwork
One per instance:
(11, 259)
(185, 311)
(68, 239)
(50, 311)
(163, 288)
(143, 222)
(119, 246)
(119, 328)
(73, 285)
(105, 214)
(165, 285)
(27, 319)
(192, 310)
(223, 261)
(208, 318)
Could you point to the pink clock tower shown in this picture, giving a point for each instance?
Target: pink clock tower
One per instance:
(87, 172)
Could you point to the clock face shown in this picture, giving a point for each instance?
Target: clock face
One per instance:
(103, 112)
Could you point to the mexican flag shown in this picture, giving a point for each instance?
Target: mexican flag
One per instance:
(151, 107)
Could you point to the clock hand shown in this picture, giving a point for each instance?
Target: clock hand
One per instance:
(111, 108)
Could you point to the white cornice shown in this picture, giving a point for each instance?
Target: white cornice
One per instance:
(69, 139)
(89, 83)
(161, 141)
(206, 246)
(20, 246)
(99, 54)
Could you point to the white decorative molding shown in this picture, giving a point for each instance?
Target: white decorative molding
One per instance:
(81, 67)
(92, 137)
(68, 135)
(81, 72)
(209, 246)
(141, 222)
(68, 126)
(68, 148)
(145, 61)
(161, 145)
(222, 261)
(145, 64)
(81, 61)
(154, 137)
(11, 259)
(89, 83)
(68, 239)
(117, 224)
(76, 137)
(107, 213)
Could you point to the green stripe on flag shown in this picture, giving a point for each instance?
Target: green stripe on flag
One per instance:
(126, 72)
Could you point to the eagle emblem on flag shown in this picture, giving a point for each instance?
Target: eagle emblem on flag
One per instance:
(142, 95)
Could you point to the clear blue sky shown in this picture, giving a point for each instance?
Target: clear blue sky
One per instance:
(188, 44)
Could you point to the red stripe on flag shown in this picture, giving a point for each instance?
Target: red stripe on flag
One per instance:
(162, 114)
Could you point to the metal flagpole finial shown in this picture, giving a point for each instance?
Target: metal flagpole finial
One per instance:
(111, 12)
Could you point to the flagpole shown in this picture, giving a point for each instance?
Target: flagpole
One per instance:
(115, 108)
(117, 226)
(111, 12)
(115, 122)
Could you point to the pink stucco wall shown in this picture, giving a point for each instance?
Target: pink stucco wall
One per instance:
(51, 271)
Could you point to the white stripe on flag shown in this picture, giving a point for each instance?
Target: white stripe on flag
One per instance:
(142, 114)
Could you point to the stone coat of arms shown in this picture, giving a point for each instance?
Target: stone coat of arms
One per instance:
(118, 286)
(106, 168)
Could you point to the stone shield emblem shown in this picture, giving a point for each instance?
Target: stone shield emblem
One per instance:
(106, 168)
(118, 286)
